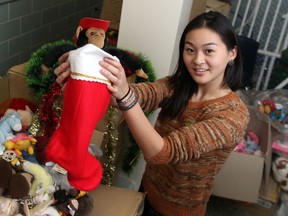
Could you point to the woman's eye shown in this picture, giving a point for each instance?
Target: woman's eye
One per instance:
(208, 51)
(189, 50)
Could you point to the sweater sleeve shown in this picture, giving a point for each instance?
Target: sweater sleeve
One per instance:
(151, 94)
(218, 130)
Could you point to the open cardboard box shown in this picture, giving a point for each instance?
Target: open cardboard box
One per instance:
(241, 175)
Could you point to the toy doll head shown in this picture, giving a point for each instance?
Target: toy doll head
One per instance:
(91, 30)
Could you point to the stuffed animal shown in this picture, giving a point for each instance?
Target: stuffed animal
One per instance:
(283, 202)
(42, 180)
(59, 175)
(9, 124)
(21, 142)
(250, 145)
(70, 203)
(280, 172)
(26, 116)
(266, 106)
(11, 157)
(8, 206)
(13, 184)
(40, 209)
(16, 104)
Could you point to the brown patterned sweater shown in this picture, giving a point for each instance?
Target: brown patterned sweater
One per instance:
(179, 179)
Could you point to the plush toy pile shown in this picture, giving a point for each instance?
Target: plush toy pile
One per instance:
(249, 145)
(29, 186)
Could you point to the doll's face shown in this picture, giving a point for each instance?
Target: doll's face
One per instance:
(96, 36)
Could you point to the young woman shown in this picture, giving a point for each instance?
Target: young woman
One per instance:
(201, 120)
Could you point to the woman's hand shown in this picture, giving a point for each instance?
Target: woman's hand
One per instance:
(114, 71)
(63, 70)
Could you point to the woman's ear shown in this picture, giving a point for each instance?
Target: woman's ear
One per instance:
(233, 53)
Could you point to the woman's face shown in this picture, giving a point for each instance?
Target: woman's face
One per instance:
(206, 57)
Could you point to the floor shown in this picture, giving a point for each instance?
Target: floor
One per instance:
(224, 207)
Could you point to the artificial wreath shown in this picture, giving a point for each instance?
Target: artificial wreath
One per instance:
(38, 81)
(48, 114)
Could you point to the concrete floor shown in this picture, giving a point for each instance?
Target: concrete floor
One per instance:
(224, 207)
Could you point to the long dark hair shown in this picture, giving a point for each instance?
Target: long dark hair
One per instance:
(182, 83)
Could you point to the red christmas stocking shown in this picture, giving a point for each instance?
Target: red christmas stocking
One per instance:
(85, 102)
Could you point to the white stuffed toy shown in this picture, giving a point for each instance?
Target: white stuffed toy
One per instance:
(280, 172)
(42, 182)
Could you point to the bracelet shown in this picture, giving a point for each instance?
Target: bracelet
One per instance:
(131, 97)
(124, 95)
(129, 103)
(130, 106)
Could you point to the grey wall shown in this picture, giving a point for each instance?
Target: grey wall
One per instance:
(25, 25)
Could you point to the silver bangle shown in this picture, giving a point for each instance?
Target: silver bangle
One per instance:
(131, 97)
(129, 103)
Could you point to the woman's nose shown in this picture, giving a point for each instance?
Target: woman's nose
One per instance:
(198, 58)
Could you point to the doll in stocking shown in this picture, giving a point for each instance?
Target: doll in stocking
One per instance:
(86, 99)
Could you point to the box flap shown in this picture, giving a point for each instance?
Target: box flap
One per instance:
(18, 69)
(245, 170)
(270, 191)
(111, 201)
(17, 84)
(261, 125)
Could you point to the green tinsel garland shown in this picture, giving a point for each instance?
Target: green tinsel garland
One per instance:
(38, 82)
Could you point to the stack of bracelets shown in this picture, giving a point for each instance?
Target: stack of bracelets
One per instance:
(125, 105)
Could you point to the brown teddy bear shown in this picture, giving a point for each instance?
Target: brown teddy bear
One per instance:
(15, 185)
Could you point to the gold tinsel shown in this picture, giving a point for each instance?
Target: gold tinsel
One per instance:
(109, 146)
(36, 124)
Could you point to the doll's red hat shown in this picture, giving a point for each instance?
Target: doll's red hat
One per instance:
(88, 22)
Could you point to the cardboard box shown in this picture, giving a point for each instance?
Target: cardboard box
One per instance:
(111, 10)
(216, 5)
(241, 175)
(4, 88)
(17, 86)
(198, 7)
(111, 201)
(269, 196)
